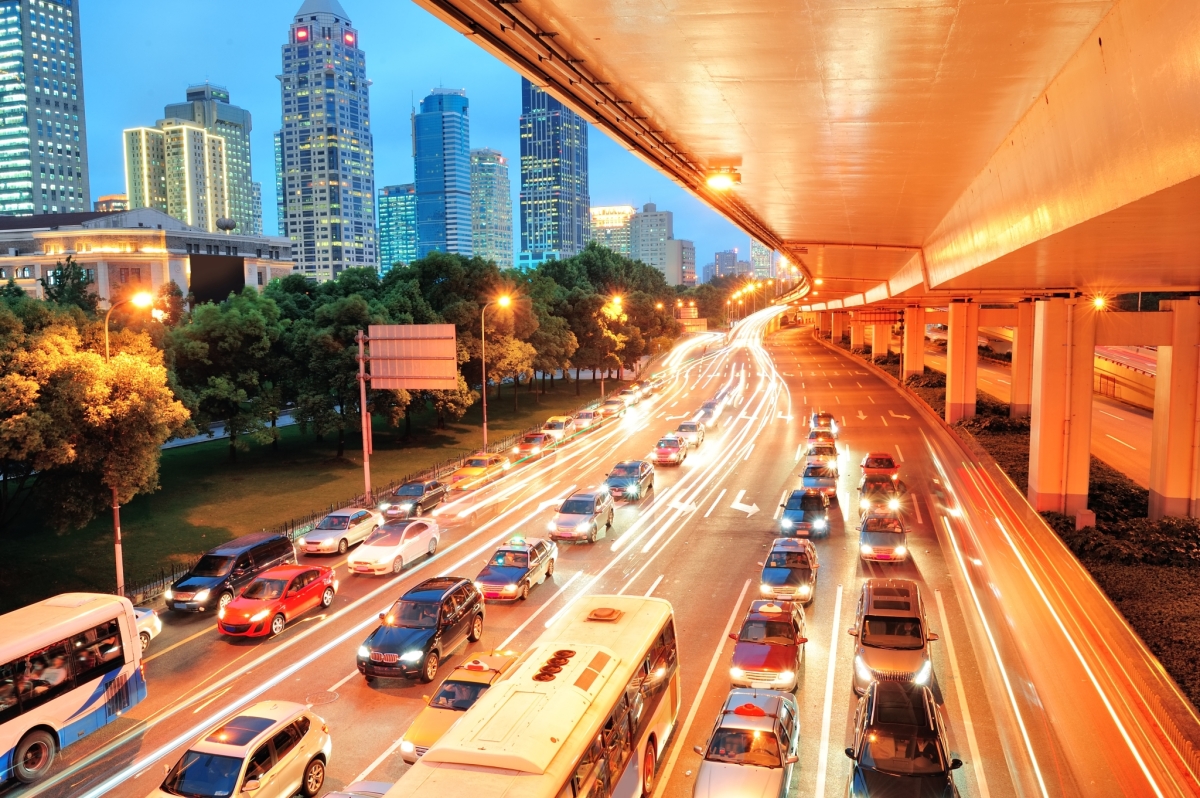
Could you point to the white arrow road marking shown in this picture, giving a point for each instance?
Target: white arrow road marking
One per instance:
(785, 418)
(862, 416)
(685, 508)
(748, 509)
(894, 414)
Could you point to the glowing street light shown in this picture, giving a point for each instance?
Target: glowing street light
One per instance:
(658, 306)
(504, 300)
(1098, 302)
(723, 179)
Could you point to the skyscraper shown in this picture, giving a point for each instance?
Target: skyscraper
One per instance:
(208, 106)
(491, 208)
(43, 129)
(328, 155)
(726, 261)
(442, 172)
(680, 266)
(280, 200)
(649, 232)
(762, 259)
(397, 225)
(610, 227)
(555, 205)
(179, 168)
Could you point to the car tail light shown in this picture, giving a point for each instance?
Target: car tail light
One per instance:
(325, 728)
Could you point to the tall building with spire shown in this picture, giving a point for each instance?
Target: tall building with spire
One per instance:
(491, 207)
(327, 160)
(442, 173)
(555, 205)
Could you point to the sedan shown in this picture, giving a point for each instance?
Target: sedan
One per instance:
(880, 493)
(821, 454)
(692, 433)
(394, 545)
(770, 646)
(275, 597)
(414, 498)
(582, 516)
(709, 413)
(631, 396)
(630, 480)
(586, 419)
(790, 571)
(670, 449)
(805, 513)
(559, 427)
(824, 421)
(479, 470)
(148, 625)
(883, 538)
(515, 567)
(336, 532)
(533, 446)
(614, 408)
(821, 436)
(881, 463)
(753, 747)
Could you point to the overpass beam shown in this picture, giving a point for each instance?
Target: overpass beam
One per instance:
(1175, 436)
(962, 360)
(857, 336)
(1060, 440)
(913, 344)
(1022, 362)
(837, 327)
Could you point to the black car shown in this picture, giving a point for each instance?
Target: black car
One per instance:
(881, 492)
(630, 479)
(515, 567)
(900, 744)
(414, 498)
(422, 628)
(221, 574)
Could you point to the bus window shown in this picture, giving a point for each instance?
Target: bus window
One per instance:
(43, 675)
(97, 651)
(10, 707)
(617, 739)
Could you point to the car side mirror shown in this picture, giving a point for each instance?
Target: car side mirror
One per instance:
(852, 632)
(955, 764)
(733, 636)
(698, 750)
(931, 637)
(250, 786)
(781, 505)
(383, 616)
(760, 565)
(426, 699)
(850, 753)
(791, 760)
(801, 641)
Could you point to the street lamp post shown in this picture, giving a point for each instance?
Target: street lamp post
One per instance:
(142, 299)
(503, 301)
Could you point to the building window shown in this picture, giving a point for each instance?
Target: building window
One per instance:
(260, 277)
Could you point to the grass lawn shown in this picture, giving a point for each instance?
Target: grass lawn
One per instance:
(206, 499)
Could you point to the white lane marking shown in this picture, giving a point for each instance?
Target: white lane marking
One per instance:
(871, 398)
(917, 508)
(972, 743)
(1006, 382)
(806, 399)
(827, 713)
(715, 503)
(674, 403)
(1123, 443)
(859, 384)
(885, 422)
(1110, 415)
(391, 749)
(342, 681)
(838, 398)
(830, 384)
(799, 447)
(539, 610)
(583, 592)
(779, 509)
(665, 776)
(650, 592)
(747, 457)
(899, 453)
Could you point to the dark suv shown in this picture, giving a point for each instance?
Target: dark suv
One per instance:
(223, 572)
(422, 628)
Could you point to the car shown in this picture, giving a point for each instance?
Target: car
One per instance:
(559, 427)
(657, 381)
(338, 531)
(362, 789)
(582, 516)
(272, 749)
(458, 693)
(479, 470)
(276, 597)
(881, 493)
(614, 408)
(821, 478)
(892, 633)
(534, 446)
(821, 420)
(882, 538)
(709, 413)
(805, 514)
(421, 629)
(394, 545)
(220, 574)
(790, 571)
(586, 419)
(753, 747)
(149, 625)
(414, 499)
(515, 567)
(670, 449)
(821, 436)
(900, 733)
(630, 480)
(646, 387)
(769, 647)
(631, 396)
(821, 454)
(881, 463)
(692, 432)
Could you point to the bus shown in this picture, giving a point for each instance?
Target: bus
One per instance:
(69, 665)
(587, 711)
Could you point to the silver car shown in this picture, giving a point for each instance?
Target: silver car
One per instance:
(752, 749)
(582, 517)
(883, 538)
(148, 625)
(338, 531)
(893, 635)
(692, 432)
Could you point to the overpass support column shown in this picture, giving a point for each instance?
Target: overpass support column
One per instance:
(962, 360)
(913, 345)
(881, 339)
(1022, 361)
(822, 318)
(837, 327)
(1175, 434)
(1060, 441)
(857, 337)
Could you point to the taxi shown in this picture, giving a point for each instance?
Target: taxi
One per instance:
(670, 450)
(790, 572)
(753, 748)
(515, 567)
(770, 646)
(559, 427)
(880, 463)
(458, 693)
(824, 421)
(479, 470)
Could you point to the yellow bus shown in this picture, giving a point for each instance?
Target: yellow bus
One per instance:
(587, 711)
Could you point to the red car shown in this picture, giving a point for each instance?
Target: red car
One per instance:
(770, 646)
(275, 597)
(880, 463)
(671, 449)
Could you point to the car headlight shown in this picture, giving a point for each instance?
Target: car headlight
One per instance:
(551, 526)
(168, 594)
(384, 505)
(863, 504)
(406, 506)
(737, 673)
(893, 504)
(406, 747)
(364, 652)
(300, 541)
(510, 588)
(221, 613)
(804, 590)
(785, 677)
(516, 450)
(923, 675)
(819, 523)
(865, 549)
(785, 523)
(765, 589)
(535, 450)
(203, 595)
(861, 669)
(260, 615)
(479, 586)
(632, 490)
(411, 656)
(901, 551)
(584, 525)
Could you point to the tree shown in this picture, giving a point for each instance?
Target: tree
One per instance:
(453, 404)
(67, 285)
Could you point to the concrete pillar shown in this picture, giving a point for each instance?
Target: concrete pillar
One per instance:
(823, 322)
(1173, 437)
(1022, 362)
(857, 336)
(1060, 441)
(962, 360)
(837, 326)
(881, 339)
(913, 344)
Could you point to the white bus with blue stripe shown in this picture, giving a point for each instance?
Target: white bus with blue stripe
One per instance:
(69, 665)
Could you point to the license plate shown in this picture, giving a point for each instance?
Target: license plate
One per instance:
(180, 605)
(362, 569)
(763, 685)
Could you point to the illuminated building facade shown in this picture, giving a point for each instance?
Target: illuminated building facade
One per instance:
(491, 207)
(110, 203)
(762, 260)
(442, 173)
(397, 225)
(610, 227)
(178, 168)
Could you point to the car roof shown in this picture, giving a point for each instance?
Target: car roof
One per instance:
(897, 597)
(434, 589)
(587, 494)
(610, 401)
(791, 544)
(244, 543)
(754, 710)
(888, 455)
(822, 414)
(900, 704)
(629, 462)
(770, 610)
(523, 545)
(287, 571)
(559, 418)
(249, 727)
(344, 511)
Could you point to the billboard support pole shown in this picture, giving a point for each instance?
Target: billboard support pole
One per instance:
(366, 416)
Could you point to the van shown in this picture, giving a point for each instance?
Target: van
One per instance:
(221, 574)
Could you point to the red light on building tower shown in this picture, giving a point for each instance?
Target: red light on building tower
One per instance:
(301, 34)
(348, 38)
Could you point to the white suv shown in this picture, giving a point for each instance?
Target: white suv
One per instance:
(271, 750)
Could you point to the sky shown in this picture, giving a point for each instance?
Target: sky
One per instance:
(139, 55)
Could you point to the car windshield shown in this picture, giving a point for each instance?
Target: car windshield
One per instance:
(804, 501)
(822, 451)
(823, 421)
(787, 559)
(897, 633)
(744, 747)
(772, 633)
(211, 565)
(334, 522)
(415, 614)
(689, 427)
(265, 589)
(411, 489)
(877, 486)
(668, 443)
(510, 559)
(458, 695)
(883, 525)
(533, 440)
(820, 472)
(477, 462)
(386, 536)
(902, 752)
(577, 507)
(554, 425)
(880, 462)
(199, 775)
(625, 471)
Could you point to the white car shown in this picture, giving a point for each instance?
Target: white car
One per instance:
(585, 419)
(559, 427)
(273, 749)
(148, 625)
(338, 531)
(394, 545)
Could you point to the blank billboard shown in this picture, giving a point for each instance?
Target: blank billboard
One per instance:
(215, 277)
(414, 357)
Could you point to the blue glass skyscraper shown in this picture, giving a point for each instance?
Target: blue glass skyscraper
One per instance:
(397, 225)
(442, 171)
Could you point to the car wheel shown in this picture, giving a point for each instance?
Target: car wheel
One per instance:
(145, 638)
(420, 511)
(33, 756)
(429, 671)
(550, 567)
(327, 597)
(608, 525)
(277, 624)
(649, 765)
(476, 629)
(591, 538)
(397, 565)
(343, 546)
(432, 546)
(368, 679)
(314, 779)
(524, 594)
(224, 600)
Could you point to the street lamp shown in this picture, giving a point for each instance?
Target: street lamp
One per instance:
(142, 299)
(503, 301)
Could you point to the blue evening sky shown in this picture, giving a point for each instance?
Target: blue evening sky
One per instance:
(139, 55)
